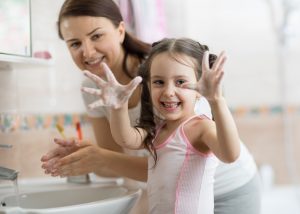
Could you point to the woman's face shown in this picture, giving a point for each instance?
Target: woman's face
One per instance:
(92, 40)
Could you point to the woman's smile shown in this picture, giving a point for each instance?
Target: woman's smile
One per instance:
(94, 63)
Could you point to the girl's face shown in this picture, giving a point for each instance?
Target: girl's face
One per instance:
(166, 77)
(92, 40)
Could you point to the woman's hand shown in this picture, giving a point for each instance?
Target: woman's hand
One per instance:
(64, 148)
(209, 84)
(111, 93)
(71, 157)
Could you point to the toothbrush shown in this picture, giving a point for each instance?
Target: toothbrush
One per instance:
(60, 130)
(78, 129)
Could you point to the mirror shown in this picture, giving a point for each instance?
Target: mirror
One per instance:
(15, 30)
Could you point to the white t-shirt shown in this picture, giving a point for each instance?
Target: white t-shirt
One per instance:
(228, 177)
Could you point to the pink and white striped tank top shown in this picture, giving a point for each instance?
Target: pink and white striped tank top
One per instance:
(182, 180)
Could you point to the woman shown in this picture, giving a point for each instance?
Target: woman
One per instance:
(94, 32)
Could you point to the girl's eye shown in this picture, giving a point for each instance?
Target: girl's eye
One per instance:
(180, 82)
(157, 82)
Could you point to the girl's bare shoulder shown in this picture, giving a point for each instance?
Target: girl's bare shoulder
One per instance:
(195, 130)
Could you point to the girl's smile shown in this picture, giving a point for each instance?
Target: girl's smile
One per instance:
(167, 76)
(170, 106)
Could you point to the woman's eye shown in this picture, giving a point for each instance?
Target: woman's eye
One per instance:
(96, 36)
(75, 45)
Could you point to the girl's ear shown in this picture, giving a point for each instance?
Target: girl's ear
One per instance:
(122, 31)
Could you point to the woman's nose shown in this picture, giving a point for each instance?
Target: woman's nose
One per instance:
(88, 49)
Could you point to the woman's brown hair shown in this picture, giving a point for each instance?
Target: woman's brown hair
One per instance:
(109, 10)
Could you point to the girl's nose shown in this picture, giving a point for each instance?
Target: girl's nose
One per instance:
(88, 49)
(169, 90)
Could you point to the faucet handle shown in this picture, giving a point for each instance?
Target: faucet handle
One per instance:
(5, 146)
(8, 174)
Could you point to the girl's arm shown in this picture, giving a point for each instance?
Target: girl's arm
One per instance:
(226, 145)
(122, 131)
(114, 95)
(222, 136)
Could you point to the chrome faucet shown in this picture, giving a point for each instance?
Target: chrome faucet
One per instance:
(5, 173)
(8, 174)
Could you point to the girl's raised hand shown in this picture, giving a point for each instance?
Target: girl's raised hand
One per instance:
(110, 93)
(209, 84)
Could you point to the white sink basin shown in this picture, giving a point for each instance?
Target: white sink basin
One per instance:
(67, 199)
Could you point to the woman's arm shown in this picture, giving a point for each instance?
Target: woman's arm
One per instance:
(103, 162)
(127, 166)
(103, 134)
(71, 158)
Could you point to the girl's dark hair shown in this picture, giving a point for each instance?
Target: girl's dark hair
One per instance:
(109, 10)
(175, 48)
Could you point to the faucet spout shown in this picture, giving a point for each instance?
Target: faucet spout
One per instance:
(8, 174)
(5, 173)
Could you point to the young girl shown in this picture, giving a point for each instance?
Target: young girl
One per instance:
(184, 146)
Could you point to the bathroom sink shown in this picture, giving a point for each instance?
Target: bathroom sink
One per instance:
(67, 199)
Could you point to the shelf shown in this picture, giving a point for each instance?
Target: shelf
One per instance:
(10, 59)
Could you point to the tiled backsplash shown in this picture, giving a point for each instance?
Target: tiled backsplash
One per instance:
(261, 131)
(28, 122)
(10, 122)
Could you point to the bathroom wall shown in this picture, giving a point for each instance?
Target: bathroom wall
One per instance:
(257, 65)
(34, 97)
(38, 88)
